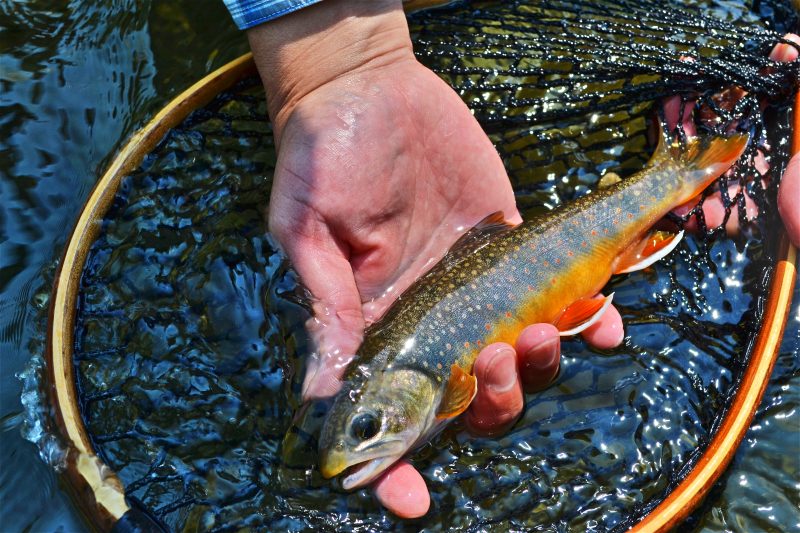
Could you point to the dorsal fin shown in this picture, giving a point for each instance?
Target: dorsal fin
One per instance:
(491, 225)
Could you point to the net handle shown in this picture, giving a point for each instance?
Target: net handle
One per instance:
(96, 489)
(696, 485)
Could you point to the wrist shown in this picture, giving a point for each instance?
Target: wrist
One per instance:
(303, 51)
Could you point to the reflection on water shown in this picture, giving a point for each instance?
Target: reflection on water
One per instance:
(76, 80)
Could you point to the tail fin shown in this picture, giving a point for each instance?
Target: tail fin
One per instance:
(704, 159)
(716, 154)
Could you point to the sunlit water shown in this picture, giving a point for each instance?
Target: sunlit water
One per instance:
(77, 79)
(207, 319)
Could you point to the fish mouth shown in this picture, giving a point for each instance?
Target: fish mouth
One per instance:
(364, 472)
(361, 470)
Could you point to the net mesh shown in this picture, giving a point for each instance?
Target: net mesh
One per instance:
(596, 69)
(187, 341)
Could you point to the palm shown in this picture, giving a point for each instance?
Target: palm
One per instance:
(376, 173)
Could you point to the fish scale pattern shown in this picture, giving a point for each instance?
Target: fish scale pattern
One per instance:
(189, 339)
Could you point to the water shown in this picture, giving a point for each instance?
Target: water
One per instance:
(77, 79)
(64, 111)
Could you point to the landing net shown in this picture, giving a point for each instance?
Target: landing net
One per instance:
(188, 345)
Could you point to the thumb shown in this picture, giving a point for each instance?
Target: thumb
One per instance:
(337, 325)
(499, 401)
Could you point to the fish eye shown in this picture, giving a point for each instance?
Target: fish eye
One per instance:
(365, 426)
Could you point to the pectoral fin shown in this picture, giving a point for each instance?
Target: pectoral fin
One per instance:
(461, 389)
(582, 314)
(652, 248)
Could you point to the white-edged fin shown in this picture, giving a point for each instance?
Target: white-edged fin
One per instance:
(592, 320)
(656, 256)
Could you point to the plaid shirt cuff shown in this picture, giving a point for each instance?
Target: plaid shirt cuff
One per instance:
(249, 13)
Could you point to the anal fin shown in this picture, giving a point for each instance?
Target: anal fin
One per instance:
(653, 247)
(461, 389)
(582, 314)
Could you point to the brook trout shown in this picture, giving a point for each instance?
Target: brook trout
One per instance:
(412, 374)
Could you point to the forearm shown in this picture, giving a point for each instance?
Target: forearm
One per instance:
(304, 50)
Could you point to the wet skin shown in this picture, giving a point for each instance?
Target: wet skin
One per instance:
(380, 167)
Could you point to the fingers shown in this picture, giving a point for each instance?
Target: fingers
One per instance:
(789, 191)
(539, 349)
(789, 199)
(503, 373)
(714, 211)
(497, 405)
(784, 52)
(607, 332)
(403, 491)
(499, 401)
(713, 207)
(672, 114)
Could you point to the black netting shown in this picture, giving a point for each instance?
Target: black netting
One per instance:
(188, 342)
(596, 69)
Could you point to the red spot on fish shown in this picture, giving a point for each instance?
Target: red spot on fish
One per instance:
(466, 345)
(479, 343)
(569, 253)
(594, 232)
(630, 215)
(558, 261)
(508, 314)
(530, 287)
(546, 263)
(605, 230)
(488, 327)
(553, 281)
(584, 244)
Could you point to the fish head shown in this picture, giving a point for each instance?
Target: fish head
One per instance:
(372, 425)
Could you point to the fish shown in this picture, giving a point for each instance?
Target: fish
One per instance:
(412, 374)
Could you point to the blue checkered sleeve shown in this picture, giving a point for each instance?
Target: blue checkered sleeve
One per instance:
(249, 13)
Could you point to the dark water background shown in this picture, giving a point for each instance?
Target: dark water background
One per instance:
(77, 80)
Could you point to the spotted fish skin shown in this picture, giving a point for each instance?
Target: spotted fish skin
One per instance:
(497, 279)
(491, 287)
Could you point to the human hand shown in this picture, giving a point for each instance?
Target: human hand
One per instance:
(380, 167)
(789, 191)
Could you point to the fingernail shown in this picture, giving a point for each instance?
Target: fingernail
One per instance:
(550, 346)
(502, 371)
(540, 365)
